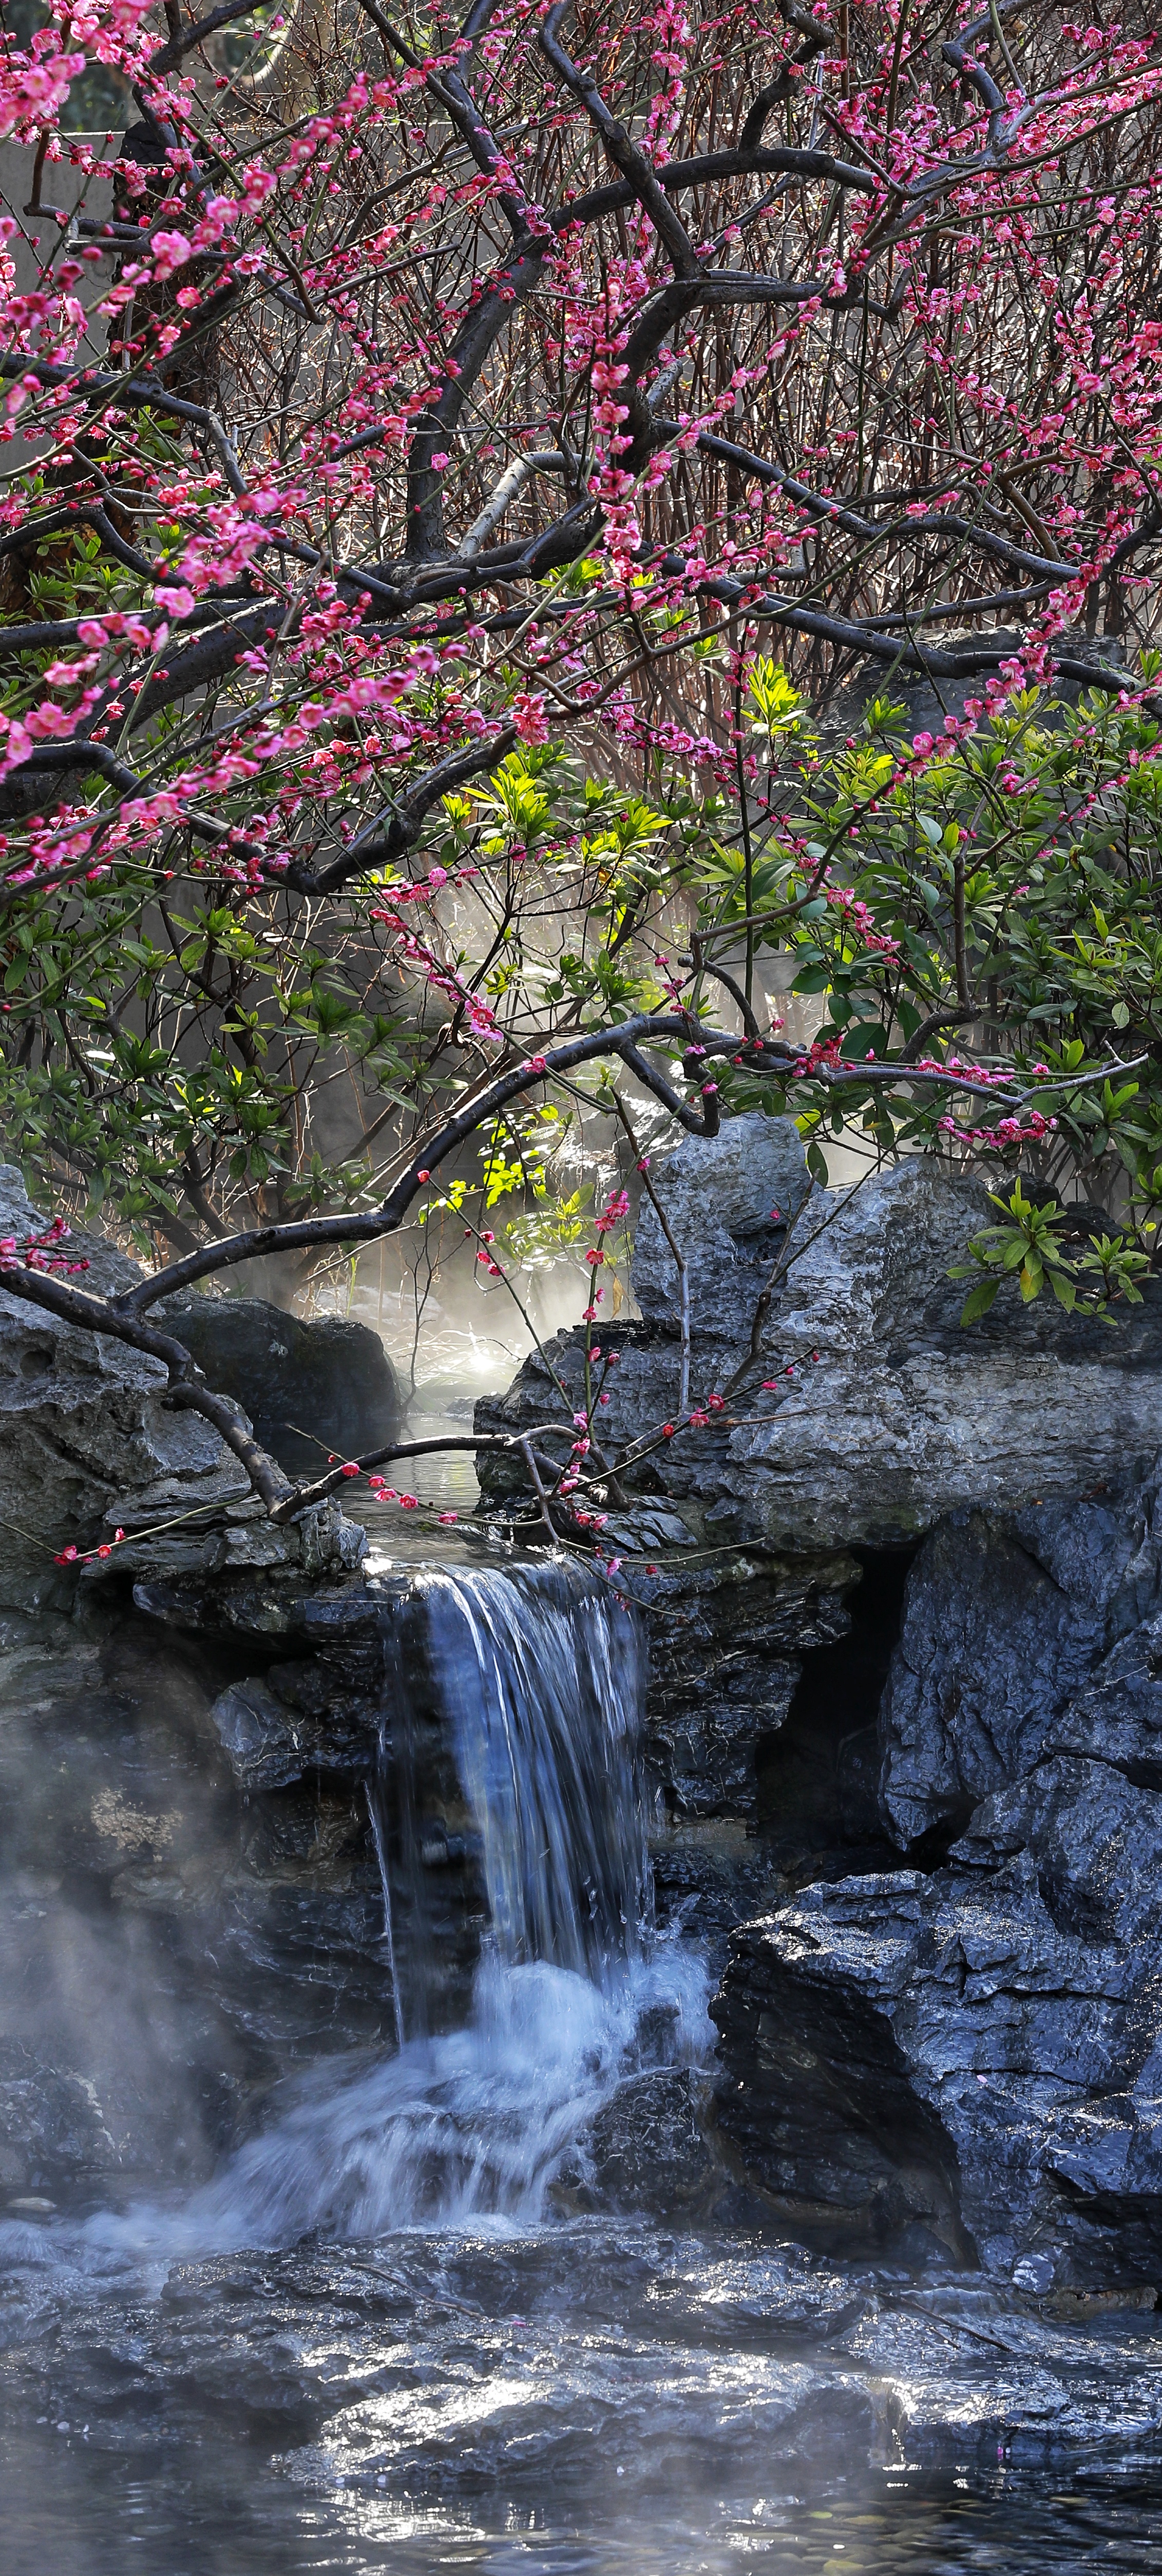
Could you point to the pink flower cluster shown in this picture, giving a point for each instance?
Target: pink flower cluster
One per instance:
(479, 1014)
(1031, 1130)
(40, 1251)
(861, 920)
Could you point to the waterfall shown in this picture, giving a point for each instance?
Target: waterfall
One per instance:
(533, 1679)
(541, 1674)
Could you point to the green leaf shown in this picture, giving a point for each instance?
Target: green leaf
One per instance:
(978, 1301)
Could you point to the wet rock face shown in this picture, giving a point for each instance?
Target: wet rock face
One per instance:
(307, 1388)
(725, 1648)
(976, 2052)
(647, 2152)
(169, 1945)
(815, 2091)
(979, 2045)
(345, 1702)
(1025, 1634)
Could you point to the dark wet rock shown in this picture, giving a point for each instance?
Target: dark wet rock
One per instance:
(818, 1807)
(346, 1704)
(978, 2045)
(647, 2153)
(51, 2126)
(498, 2383)
(309, 1389)
(726, 1639)
(709, 1876)
(978, 2051)
(223, 1557)
(1025, 1634)
(269, 1740)
(815, 2091)
(84, 1422)
(168, 1944)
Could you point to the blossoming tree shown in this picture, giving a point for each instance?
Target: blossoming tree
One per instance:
(510, 433)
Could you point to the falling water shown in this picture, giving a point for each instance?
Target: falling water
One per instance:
(541, 1674)
(538, 1677)
(468, 2386)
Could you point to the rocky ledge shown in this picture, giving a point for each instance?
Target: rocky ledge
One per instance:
(970, 2054)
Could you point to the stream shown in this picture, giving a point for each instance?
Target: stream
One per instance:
(479, 2297)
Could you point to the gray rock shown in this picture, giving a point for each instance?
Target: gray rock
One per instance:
(726, 1640)
(1025, 1634)
(84, 1421)
(168, 1946)
(256, 1546)
(926, 702)
(307, 1388)
(647, 2151)
(329, 1544)
(318, 1546)
(891, 1415)
(263, 1745)
(296, 1719)
(905, 1414)
(51, 2125)
(726, 1201)
(980, 2049)
(976, 2054)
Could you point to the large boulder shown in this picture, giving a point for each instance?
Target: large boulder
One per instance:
(974, 2050)
(885, 1413)
(728, 1200)
(309, 1389)
(971, 2059)
(926, 702)
(84, 1422)
(906, 1413)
